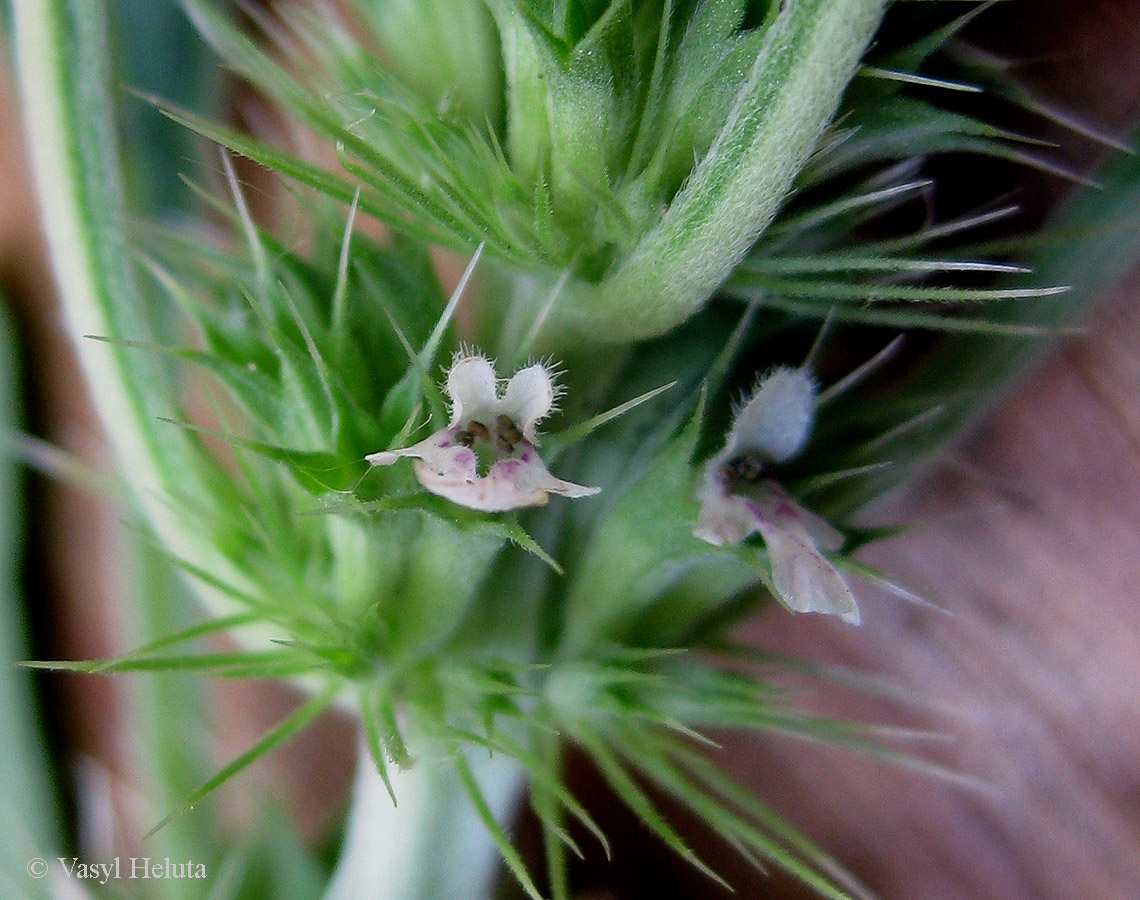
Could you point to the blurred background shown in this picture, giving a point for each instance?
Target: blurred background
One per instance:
(1030, 537)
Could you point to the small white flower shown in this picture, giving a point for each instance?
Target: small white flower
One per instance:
(494, 428)
(739, 498)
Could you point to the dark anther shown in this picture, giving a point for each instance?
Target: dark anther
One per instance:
(474, 431)
(508, 433)
(746, 469)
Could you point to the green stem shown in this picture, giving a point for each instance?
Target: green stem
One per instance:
(433, 845)
(791, 95)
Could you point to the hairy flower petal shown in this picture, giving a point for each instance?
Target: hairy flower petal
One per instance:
(442, 456)
(471, 385)
(725, 519)
(776, 420)
(513, 483)
(529, 398)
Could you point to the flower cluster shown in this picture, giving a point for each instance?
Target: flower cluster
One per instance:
(486, 459)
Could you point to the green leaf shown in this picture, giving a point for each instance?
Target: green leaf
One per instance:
(661, 580)
(635, 548)
(376, 744)
(443, 562)
(510, 855)
(449, 54)
(901, 318)
(582, 430)
(911, 56)
(774, 839)
(905, 128)
(1102, 241)
(302, 172)
(158, 149)
(289, 726)
(853, 261)
(61, 48)
(544, 777)
(703, 79)
(636, 799)
(569, 113)
(516, 534)
(28, 801)
(747, 282)
(810, 52)
(234, 664)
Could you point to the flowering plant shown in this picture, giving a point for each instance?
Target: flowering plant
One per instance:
(676, 208)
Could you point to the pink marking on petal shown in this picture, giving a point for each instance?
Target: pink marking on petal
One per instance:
(802, 577)
(450, 470)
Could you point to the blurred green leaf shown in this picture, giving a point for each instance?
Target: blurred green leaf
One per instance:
(28, 804)
(157, 51)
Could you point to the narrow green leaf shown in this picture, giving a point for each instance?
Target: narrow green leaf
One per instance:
(747, 280)
(645, 537)
(304, 173)
(210, 626)
(510, 855)
(430, 351)
(306, 459)
(896, 318)
(636, 799)
(339, 322)
(853, 261)
(516, 534)
(920, 80)
(950, 228)
(543, 776)
(545, 806)
(859, 374)
(289, 726)
(57, 463)
(864, 200)
(785, 853)
(375, 742)
(583, 429)
(222, 665)
(254, 391)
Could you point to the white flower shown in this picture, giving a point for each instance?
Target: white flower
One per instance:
(739, 498)
(488, 428)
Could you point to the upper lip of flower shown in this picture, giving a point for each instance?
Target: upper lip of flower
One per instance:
(446, 463)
